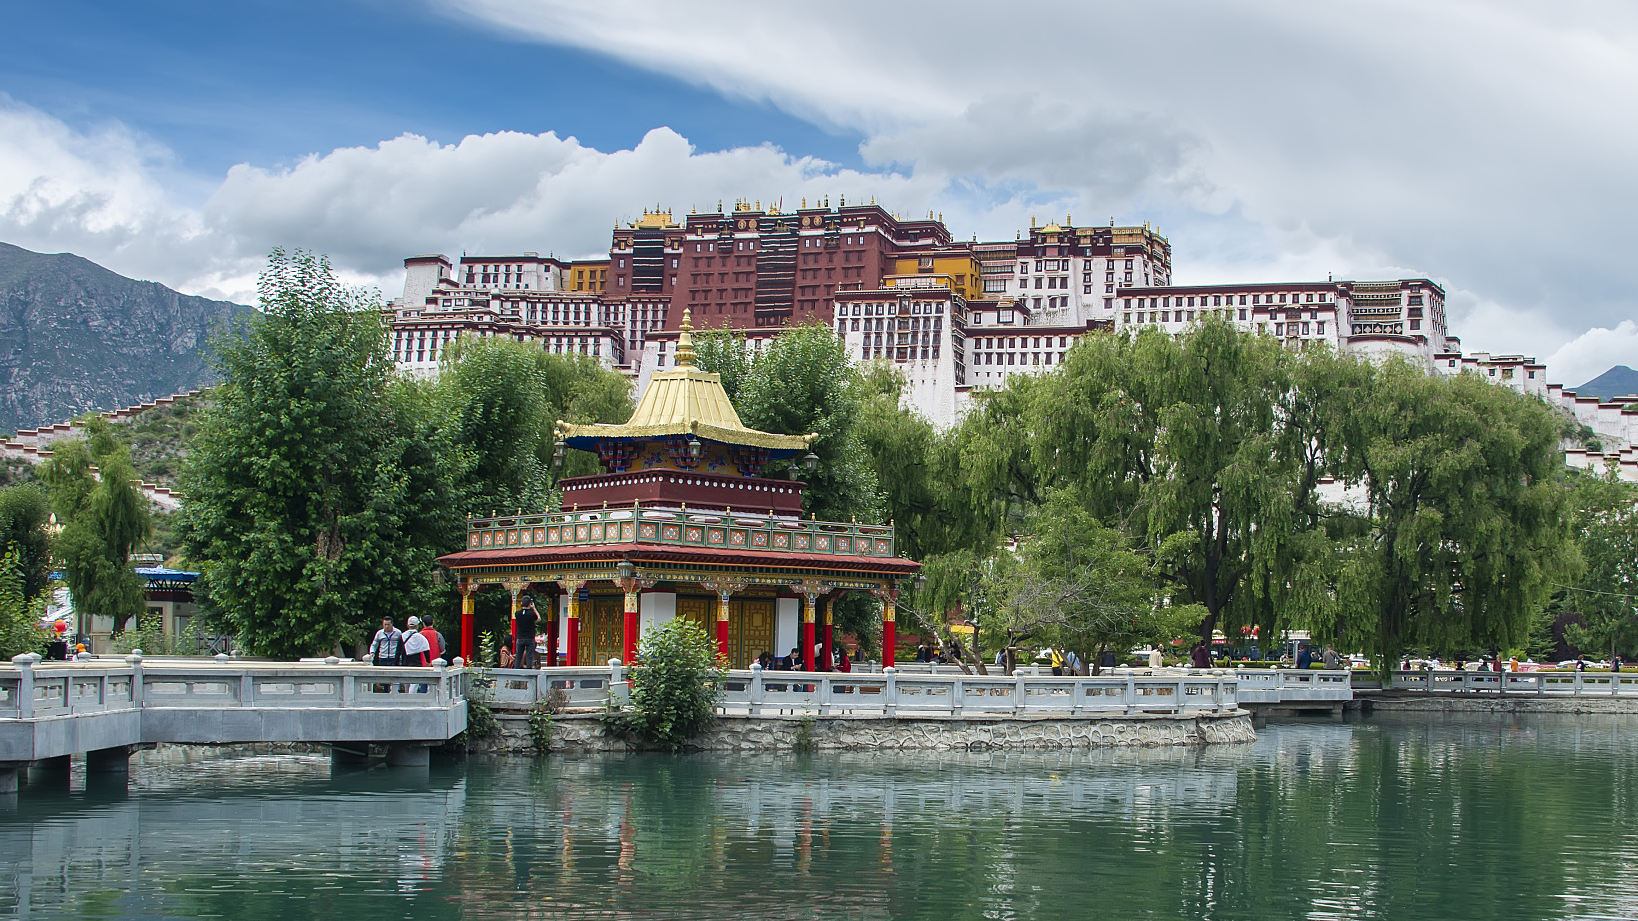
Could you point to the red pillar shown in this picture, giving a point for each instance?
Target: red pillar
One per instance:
(515, 591)
(826, 655)
(571, 589)
(888, 629)
(807, 645)
(550, 658)
(629, 646)
(468, 608)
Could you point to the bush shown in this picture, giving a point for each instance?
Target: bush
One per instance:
(150, 637)
(19, 616)
(675, 687)
(481, 721)
(540, 726)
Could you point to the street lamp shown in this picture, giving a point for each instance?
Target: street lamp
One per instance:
(920, 581)
(693, 449)
(810, 463)
(559, 449)
(626, 570)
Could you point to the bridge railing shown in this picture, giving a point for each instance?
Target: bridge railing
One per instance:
(890, 693)
(754, 692)
(31, 689)
(1540, 684)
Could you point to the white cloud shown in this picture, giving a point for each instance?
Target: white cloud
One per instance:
(1478, 142)
(1594, 352)
(1475, 143)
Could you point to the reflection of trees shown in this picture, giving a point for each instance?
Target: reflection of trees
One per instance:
(1493, 818)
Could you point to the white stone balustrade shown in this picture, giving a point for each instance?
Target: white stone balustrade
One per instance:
(1539, 684)
(754, 692)
(48, 710)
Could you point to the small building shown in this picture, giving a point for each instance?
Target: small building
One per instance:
(682, 523)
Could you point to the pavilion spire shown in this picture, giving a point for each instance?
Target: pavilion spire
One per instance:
(685, 340)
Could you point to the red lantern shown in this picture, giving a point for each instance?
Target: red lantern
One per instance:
(60, 627)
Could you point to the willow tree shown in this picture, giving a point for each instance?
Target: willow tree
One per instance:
(1178, 440)
(1465, 518)
(1606, 596)
(318, 493)
(104, 518)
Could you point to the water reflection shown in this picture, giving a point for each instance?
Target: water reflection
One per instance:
(1410, 817)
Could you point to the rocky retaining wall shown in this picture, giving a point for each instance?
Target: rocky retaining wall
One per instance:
(1465, 703)
(584, 733)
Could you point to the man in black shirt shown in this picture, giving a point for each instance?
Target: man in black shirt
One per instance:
(528, 617)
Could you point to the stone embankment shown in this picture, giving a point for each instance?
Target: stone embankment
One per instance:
(1391, 702)
(583, 733)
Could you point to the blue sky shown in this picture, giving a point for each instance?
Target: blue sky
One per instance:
(266, 83)
(1470, 142)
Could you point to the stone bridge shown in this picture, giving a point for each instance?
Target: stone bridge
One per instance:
(52, 711)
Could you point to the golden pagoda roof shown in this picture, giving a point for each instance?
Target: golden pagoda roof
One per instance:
(684, 401)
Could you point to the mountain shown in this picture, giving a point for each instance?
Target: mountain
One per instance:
(75, 337)
(1616, 382)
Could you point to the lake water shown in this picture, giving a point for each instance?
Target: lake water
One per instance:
(1395, 818)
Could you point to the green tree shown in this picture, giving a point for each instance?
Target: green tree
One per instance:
(803, 383)
(1459, 486)
(19, 612)
(1606, 596)
(104, 519)
(24, 515)
(499, 398)
(676, 685)
(1072, 583)
(1180, 435)
(318, 492)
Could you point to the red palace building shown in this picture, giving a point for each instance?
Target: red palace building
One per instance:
(681, 523)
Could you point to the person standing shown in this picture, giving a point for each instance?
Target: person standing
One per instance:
(436, 648)
(524, 656)
(1200, 656)
(1305, 657)
(1330, 658)
(387, 647)
(414, 645)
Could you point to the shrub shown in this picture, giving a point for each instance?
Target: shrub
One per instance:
(675, 687)
(481, 721)
(540, 726)
(19, 616)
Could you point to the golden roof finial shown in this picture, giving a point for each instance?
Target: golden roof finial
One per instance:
(685, 340)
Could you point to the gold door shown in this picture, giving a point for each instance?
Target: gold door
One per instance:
(751, 632)
(601, 639)
(702, 612)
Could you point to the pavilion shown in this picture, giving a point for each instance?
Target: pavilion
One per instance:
(682, 524)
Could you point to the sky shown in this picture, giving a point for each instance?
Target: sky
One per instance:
(1487, 145)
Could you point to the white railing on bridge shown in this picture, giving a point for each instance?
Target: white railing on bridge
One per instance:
(754, 692)
(31, 689)
(1294, 685)
(1541, 684)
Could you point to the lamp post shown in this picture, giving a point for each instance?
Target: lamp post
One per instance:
(629, 584)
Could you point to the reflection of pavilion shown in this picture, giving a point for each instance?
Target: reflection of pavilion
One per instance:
(681, 524)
